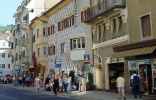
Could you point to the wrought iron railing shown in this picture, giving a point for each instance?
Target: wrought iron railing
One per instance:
(103, 7)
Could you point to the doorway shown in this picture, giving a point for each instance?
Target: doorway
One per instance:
(145, 73)
(114, 70)
(99, 77)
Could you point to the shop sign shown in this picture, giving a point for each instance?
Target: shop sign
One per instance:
(132, 65)
(16, 69)
(1, 70)
(22, 67)
(147, 61)
(86, 57)
(58, 63)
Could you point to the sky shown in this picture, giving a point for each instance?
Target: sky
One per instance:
(8, 9)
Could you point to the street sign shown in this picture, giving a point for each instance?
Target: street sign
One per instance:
(58, 63)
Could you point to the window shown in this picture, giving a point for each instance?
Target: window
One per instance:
(9, 55)
(117, 27)
(45, 51)
(71, 20)
(78, 43)
(44, 32)
(8, 66)
(3, 55)
(145, 26)
(52, 29)
(38, 33)
(51, 50)
(38, 51)
(63, 48)
(3, 66)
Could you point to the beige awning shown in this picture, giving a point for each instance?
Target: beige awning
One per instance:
(32, 66)
(134, 52)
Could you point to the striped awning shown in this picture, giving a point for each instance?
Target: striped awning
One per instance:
(134, 52)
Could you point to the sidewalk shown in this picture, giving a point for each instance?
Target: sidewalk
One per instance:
(90, 95)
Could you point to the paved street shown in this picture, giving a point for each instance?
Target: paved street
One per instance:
(9, 93)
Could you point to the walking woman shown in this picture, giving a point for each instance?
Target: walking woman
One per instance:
(55, 86)
(37, 84)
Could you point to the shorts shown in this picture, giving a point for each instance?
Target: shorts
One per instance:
(121, 89)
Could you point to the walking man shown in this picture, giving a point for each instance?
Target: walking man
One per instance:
(120, 84)
(135, 80)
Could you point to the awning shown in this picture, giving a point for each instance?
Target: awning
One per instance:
(32, 66)
(85, 68)
(134, 52)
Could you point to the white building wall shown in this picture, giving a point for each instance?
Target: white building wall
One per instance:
(5, 49)
(71, 60)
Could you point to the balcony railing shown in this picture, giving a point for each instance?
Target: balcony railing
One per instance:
(25, 25)
(24, 42)
(25, 60)
(103, 7)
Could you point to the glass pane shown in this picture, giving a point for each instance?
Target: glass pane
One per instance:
(79, 43)
(83, 43)
(74, 44)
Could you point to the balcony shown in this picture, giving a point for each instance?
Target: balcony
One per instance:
(25, 60)
(103, 7)
(24, 42)
(25, 25)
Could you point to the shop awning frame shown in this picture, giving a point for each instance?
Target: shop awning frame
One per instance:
(134, 52)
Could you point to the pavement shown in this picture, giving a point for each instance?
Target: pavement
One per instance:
(89, 95)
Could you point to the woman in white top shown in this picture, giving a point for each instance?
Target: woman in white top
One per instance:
(120, 84)
(37, 84)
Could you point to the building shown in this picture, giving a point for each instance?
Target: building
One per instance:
(22, 43)
(108, 20)
(5, 55)
(68, 38)
(139, 54)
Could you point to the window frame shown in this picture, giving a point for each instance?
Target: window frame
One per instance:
(140, 24)
(76, 47)
(45, 53)
(62, 48)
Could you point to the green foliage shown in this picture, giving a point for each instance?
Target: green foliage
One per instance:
(3, 29)
(90, 83)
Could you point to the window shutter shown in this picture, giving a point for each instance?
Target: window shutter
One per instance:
(49, 50)
(48, 31)
(71, 47)
(82, 17)
(53, 49)
(58, 26)
(53, 29)
(72, 20)
(67, 22)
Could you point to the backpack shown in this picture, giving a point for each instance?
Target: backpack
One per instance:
(136, 80)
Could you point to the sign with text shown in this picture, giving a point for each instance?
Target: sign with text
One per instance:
(58, 63)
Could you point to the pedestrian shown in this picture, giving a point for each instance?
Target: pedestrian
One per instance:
(55, 86)
(37, 84)
(83, 88)
(77, 81)
(80, 83)
(69, 81)
(120, 84)
(23, 81)
(20, 80)
(27, 80)
(60, 84)
(65, 83)
(135, 80)
(47, 79)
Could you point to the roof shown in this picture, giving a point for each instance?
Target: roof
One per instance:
(5, 36)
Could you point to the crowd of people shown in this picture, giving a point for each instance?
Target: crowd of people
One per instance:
(62, 84)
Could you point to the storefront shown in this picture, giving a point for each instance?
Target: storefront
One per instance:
(114, 70)
(146, 70)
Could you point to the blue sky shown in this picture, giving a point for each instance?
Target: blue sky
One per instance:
(7, 9)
